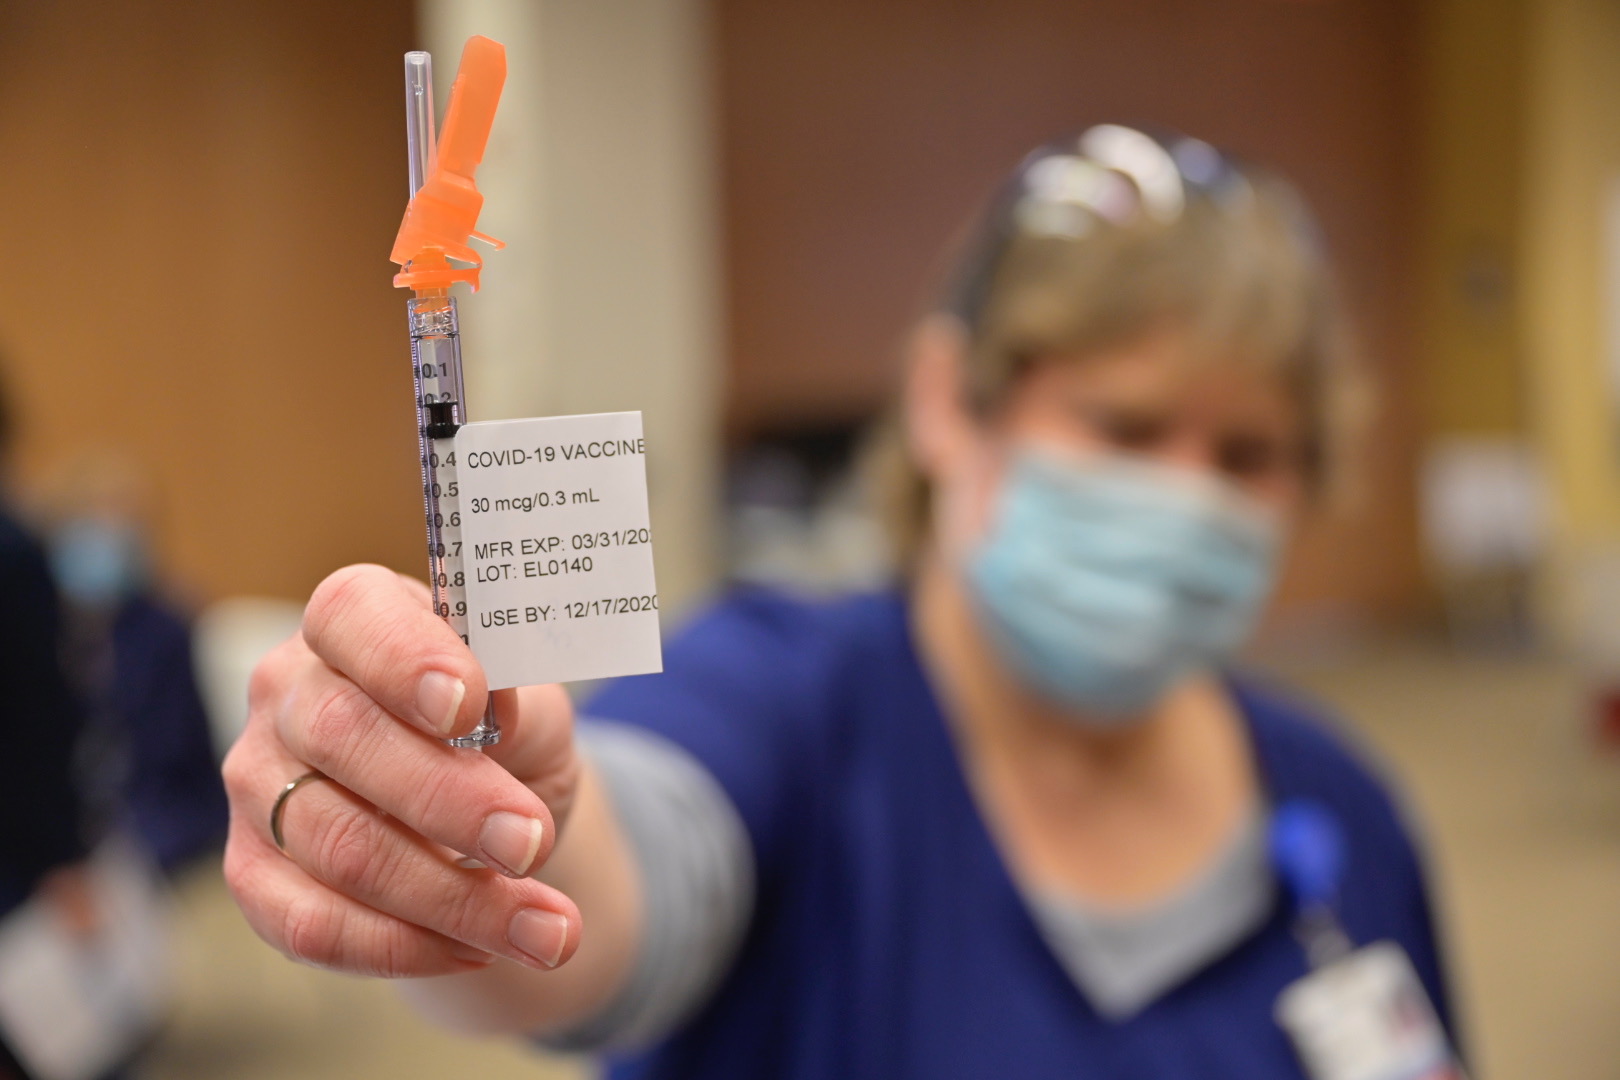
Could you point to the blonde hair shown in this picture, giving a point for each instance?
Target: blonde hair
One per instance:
(1240, 271)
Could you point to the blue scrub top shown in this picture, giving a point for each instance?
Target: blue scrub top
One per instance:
(889, 940)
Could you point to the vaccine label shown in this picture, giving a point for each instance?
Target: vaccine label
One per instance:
(557, 548)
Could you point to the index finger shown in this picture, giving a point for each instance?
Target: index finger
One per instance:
(365, 622)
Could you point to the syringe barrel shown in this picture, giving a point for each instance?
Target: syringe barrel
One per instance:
(436, 348)
(436, 367)
(436, 359)
(440, 400)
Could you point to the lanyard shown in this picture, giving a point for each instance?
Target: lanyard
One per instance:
(1308, 852)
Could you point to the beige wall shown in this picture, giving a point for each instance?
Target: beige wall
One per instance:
(1572, 162)
(1471, 238)
(1519, 242)
(600, 176)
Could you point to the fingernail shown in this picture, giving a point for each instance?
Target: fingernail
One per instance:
(539, 934)
(510, 841)
(438, 699)
(471, 954)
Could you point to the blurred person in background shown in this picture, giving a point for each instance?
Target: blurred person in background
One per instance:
(42, 828)
(150, 756)
(1011, 816)
(84, 973)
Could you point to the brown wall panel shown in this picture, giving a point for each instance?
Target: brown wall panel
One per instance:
(198, 202)
(858, 136)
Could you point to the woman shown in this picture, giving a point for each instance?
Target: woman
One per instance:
(1007, 819)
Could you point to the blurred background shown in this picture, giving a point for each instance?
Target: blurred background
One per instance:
(726, 213)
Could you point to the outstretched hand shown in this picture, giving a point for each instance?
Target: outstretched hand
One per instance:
(376, 876)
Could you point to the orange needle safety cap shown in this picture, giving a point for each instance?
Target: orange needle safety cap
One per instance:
(443, 214)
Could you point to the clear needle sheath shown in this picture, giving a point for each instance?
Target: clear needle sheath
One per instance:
(419, 133)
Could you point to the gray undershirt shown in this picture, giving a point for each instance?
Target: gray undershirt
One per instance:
(697, 872)
(1124, 961)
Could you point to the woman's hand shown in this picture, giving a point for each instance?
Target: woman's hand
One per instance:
(372, 880)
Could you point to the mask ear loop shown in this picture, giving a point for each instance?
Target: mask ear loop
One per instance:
(1308, 851)
(969, 292)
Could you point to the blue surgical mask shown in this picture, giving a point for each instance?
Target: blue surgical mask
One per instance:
(1105, 581)
(97, 563)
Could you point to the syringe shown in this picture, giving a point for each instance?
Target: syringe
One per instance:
(441, 216)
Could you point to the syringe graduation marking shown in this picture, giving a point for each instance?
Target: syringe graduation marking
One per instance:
(435, 349)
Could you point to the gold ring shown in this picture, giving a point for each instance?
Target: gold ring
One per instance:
(281, 802)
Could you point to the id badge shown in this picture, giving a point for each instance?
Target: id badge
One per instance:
(1366, 1017)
